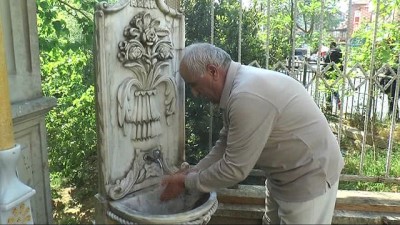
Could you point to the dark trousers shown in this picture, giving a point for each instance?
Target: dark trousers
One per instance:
(329, 99)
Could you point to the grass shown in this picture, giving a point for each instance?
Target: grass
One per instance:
(374, 159)
(374, 165)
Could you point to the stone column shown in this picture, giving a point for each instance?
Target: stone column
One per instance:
(6, 132)
(14, 195)
(28, 105)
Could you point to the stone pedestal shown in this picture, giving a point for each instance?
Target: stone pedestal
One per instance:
(15, 207)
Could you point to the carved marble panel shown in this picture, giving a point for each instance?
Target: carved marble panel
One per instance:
(139, 94)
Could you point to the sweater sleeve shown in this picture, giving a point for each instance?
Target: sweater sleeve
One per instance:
(251, 119)
(215, 154)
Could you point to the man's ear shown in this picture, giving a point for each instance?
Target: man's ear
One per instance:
(213, 70)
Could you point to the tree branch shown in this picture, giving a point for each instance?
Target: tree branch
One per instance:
(300, 27)
(76, 9)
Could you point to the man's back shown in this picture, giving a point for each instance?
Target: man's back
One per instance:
(334, 55)
(301, 149)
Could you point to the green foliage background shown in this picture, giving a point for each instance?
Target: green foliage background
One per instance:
(67, 74)
(65, 30)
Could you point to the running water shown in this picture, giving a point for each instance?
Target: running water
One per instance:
(161, 166)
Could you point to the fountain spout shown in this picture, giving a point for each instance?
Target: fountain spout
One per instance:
(155, 156)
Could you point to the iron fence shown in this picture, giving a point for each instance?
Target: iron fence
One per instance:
(360, 102)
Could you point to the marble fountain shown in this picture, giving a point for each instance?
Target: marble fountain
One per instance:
(140, 114)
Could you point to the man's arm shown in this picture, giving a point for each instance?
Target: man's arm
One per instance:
(327, 58)
(251, 121)
(215, 154)
(174, 185)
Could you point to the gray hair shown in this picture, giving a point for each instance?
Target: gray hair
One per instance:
(198, 56)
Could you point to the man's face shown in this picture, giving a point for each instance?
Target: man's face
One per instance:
(201, 85)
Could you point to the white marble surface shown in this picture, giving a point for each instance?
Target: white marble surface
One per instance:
(140, 94)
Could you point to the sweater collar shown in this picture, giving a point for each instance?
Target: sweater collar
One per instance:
(230, 77)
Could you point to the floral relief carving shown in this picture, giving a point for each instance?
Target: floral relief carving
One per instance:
(138, 173)
(20, 214)
(146, 51)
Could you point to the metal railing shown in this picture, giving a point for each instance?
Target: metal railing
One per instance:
(355, 99)
(368, 97)
(357, 90)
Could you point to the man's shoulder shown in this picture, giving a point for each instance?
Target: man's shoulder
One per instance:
(337, 53)
(335, 50)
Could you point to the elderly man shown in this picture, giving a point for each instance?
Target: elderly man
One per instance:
(270, 121)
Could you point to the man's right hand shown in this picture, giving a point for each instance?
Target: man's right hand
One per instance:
(174, 186)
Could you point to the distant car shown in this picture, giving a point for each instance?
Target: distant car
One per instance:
(313, 57)
(296, 58)
(304, 52)
(300, 55)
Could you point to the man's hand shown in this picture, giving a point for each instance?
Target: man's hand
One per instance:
(174, 186)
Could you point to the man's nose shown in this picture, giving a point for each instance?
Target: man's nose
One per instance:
(194, 92)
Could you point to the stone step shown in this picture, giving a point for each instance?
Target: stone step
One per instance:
(243, 194)
(245, 205)
(368, 201)
(358, 217)
(237, 214)
(346, 200)
(252, 214)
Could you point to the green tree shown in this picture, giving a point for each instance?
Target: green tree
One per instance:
(252, 35)
(307, 20)
(198, 21)
(197, 114)
(67, 74)
(387, 45)
(198, 29)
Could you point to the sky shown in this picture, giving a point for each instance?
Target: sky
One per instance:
(343, 6)
(246, 3)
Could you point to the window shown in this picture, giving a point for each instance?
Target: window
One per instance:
(357, 15)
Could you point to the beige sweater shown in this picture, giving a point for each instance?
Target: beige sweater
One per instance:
(271, 121)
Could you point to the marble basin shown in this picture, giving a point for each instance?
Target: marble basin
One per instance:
(145, 207)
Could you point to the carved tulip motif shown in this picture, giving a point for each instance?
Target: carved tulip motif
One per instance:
(145, 52)
(164, 51)
(135, 53)
(145, 29)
